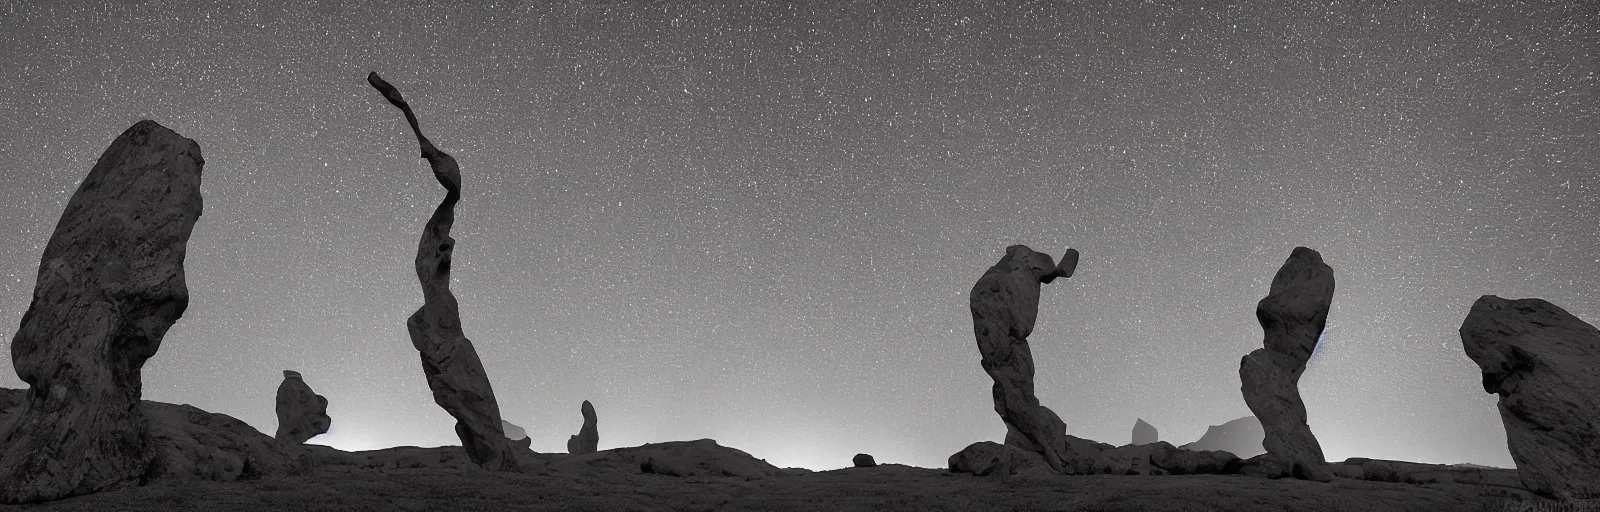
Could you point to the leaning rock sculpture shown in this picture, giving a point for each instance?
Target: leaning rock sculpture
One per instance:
(1144, 433)
(1292, 315)
(302, 413)
(1545, 365)
(1005, 303)
(110, 284)
(588, 438)
(455, 374)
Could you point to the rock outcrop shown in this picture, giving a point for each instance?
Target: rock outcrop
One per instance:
(1005, 304)
(1241, 437)
(186, 443)
(302, 413)
(1545, 365)
(455, 373)
(1161, 458)
(588, 438)
(1292, 315)
(987, 458)
(1144, 433)
(862, 460)
(190, 443)
(110, 284)
(703, 457)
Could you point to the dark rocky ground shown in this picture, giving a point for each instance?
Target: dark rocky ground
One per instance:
(212, 461)
(419, 479)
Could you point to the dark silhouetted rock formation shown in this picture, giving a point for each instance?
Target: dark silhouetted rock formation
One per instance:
(455, 374)
(1240, 437)
(1005, 303)
(110, 284)
(1545, 365)
(302, 413)
(1144, 433)
(862, 460)
(1292, 315)
(588, 438)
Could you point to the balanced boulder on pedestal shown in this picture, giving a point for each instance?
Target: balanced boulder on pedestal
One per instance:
(302, 413)
(1545, 365)
(1292, 315)
(455, 374)
(110, 284)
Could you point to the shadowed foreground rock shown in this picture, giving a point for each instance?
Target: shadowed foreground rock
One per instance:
(1005, 304)
(1545, 365)
(1144, 433)
(186, 443)
(302, 413)
(1240, 437)
(588, 438)
(455, 374)
(110, 284)
(988, 458)
(1292, 316)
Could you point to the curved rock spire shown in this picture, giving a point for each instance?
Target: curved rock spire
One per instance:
(455, 374)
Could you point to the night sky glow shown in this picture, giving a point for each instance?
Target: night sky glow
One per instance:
(758, 222)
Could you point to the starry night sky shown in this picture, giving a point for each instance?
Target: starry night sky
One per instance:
(759, 223)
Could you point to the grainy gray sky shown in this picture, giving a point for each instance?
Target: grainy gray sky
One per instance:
(759, 222)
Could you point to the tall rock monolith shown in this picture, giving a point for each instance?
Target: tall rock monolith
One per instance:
(588, 438)
(302, 413)
(1005, 304)
(455, 373)
(110, 284)
(1292, 316)
(1545, 365)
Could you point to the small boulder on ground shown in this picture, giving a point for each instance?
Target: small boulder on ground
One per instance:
(862, 460)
